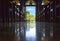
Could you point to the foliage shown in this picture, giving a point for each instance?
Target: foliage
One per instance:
(27, 15)
(30, 19)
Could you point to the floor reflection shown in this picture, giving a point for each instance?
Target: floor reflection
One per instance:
(41, 30)
(31, 32)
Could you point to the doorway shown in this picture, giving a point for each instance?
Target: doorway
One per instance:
(31, 23)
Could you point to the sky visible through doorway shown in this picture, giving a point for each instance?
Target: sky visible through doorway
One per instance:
(31, 9)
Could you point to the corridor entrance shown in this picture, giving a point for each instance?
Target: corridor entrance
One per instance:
(31, 23)
(28, 20)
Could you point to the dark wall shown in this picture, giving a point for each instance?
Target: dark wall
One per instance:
(4, 11)
(57, 22)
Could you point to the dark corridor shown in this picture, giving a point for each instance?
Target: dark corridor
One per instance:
(19, 23)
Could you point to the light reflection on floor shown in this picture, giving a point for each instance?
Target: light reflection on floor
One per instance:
(31, 33)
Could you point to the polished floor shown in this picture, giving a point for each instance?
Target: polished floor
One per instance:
(30, 35)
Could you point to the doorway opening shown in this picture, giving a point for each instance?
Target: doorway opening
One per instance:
(31, 23)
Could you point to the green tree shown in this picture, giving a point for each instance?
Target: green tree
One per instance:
(27, 15)
(32, 17)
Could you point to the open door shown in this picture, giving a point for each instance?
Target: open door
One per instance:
(31, 23)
